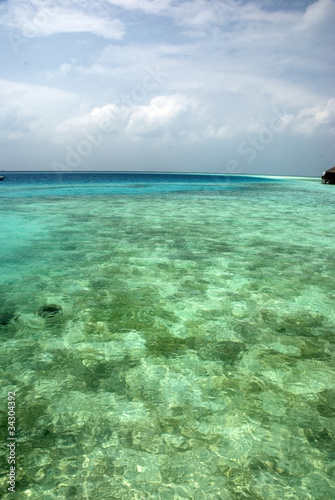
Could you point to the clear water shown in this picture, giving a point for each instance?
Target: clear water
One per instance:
(194, 358)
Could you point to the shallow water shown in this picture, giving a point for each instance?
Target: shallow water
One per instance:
(194, 355)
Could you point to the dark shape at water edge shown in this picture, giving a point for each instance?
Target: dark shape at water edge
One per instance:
(50, 310)
(328, 177)
(6, 317)
(2, 177)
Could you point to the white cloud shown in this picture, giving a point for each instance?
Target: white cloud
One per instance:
(319, 16)
(309, 121)
(36, 18)
(160, 116)
(147, 6)
(260, 55)
(46, 17)
(60, 72)
(202, 14)
(108, 118)
(216, 133)
(161, 112)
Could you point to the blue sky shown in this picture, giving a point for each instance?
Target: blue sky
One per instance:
(205, 85)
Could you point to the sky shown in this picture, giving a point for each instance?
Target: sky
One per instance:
(218, 86)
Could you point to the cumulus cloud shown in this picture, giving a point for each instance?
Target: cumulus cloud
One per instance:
(108, 118)
(159, 116)
(161, 112)
(309, 121)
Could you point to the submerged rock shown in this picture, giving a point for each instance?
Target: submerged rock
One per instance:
(7, 317)
(50, 310)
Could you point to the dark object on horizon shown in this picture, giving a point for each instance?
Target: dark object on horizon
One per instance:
(328, 177)
(2, 177)
(7, 317)
(49, 310)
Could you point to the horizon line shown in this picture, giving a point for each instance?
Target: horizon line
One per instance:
(150, 172)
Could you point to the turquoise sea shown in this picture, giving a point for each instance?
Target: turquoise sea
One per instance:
(193, 354)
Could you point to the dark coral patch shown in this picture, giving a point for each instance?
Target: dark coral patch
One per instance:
(50, 310)
(6, 317)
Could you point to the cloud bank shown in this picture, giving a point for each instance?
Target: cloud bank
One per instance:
(189, 84)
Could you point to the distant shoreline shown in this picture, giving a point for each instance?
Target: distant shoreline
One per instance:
(310, 177)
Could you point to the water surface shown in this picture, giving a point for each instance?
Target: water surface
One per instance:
(194, 356)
